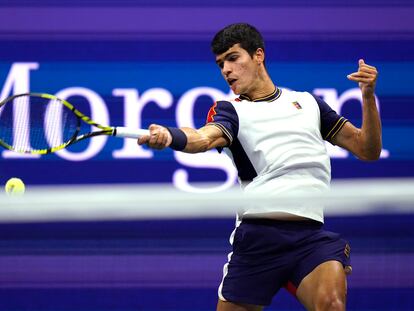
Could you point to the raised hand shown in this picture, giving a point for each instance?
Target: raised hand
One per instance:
(366, 76)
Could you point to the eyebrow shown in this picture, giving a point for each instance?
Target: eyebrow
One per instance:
(227, 56)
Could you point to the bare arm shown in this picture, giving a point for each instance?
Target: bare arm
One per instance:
(201, 140)
(364, 142)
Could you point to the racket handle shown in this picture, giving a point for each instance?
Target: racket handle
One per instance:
(121, 131)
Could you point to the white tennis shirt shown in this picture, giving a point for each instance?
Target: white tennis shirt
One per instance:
(277, 145)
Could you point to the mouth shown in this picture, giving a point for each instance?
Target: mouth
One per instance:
(231, 81)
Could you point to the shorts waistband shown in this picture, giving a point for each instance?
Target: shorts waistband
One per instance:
(277, 222)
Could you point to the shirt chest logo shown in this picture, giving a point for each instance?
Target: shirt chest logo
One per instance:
(297, 105)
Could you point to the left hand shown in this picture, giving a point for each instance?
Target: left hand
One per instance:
(366, 76)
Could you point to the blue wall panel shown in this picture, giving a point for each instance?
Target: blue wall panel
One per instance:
(146, 45)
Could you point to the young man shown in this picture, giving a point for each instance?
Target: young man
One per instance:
(276, 140)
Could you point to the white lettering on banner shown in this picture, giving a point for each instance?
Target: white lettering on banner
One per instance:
(336, 103)
(208, 160)
(99, 113)
(18, 81)
(133, 106)
(53, 123)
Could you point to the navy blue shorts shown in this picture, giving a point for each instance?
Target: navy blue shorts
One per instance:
(271, 254)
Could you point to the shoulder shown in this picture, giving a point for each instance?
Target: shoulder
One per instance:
(296, 95)
(308, 97)
(303, 98)
(220, 107)
(303, 95)
(223, 115)
(224, 104)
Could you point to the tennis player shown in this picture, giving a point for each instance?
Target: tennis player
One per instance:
(276, 139)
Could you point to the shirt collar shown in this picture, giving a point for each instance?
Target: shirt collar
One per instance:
(270, 97)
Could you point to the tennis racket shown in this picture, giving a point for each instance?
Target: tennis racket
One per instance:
(39, 123)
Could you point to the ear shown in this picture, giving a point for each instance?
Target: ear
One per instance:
(260, 56)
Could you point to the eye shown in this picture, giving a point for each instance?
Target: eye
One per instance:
(232, 58)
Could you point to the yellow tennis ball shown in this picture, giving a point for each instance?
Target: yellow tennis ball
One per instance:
(14, 186)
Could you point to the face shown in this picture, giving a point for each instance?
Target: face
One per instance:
(239, 69)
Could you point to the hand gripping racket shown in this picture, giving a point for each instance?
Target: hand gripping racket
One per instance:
(40, 123)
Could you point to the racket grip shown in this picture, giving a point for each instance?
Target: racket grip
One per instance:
(127, 132)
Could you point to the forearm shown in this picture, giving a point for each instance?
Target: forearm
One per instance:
(370, 140)
(365, 142)
(184, 139)
(196, 142)
(203, 139)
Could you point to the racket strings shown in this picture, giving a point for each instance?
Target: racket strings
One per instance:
(29, 123)
(57, 124)
(21, 124)
(11, 126)
(6, 125)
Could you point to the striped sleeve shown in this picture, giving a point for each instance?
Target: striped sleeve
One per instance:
(331, 122)
(223, 115)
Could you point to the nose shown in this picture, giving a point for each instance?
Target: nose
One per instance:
(226, 69)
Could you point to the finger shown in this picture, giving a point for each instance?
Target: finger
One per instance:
(153, 137)
(367, 66)
(160, 138)
(161, 142)
(362, 64)
(354, 76)
(368, 69)
(364, 73)
(165, 140)
(364, 80)
(143, 140)
(153, 130)
(153, 127)
(361, 74)
(165, 137)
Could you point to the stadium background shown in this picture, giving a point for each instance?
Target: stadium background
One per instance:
(152, 61)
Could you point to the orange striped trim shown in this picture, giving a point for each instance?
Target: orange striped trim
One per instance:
(291, 288)
(211, 113)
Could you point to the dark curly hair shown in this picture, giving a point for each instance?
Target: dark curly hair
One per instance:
(246, 35)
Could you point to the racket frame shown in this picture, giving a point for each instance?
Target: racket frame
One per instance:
(104, 130)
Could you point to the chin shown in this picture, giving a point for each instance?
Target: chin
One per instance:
(237, 91)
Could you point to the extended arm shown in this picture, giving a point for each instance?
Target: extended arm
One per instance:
(203, 139)
(364, 142)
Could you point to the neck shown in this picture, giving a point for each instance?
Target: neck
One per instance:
(263, 87)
